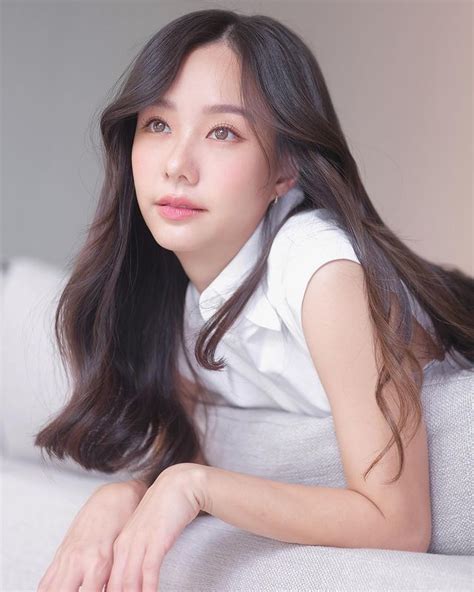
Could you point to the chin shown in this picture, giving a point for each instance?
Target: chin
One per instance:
(172, 244)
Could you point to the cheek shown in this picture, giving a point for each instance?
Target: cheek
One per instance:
(241, 173)
(141, 162)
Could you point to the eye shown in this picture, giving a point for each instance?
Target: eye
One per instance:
(153, 120)
(221, 126)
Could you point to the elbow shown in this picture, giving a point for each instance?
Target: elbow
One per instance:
(409, 531)
(416, 540)
(421, 540)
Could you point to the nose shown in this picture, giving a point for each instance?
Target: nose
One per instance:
(180, 162)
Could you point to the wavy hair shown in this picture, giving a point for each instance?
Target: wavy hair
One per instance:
(119, 320)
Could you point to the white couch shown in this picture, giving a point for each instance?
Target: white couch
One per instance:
(39, 499)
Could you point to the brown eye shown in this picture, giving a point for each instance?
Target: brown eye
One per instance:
(151, 124)
(222, 132)
(158, 123)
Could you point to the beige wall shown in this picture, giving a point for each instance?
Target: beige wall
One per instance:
(400, 74)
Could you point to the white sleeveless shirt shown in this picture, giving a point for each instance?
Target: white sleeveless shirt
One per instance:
(268, 364)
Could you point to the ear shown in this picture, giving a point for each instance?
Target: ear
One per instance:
(288, 176)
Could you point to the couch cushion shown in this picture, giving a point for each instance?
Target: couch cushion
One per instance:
(34, 385)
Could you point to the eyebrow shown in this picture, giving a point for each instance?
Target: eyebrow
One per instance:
(217, 108)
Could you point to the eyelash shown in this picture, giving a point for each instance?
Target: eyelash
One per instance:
(223, 125)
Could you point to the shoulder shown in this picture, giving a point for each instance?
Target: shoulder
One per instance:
(305, 243)
(336, 322)
(334, 310)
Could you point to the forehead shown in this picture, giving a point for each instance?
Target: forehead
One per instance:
(208, 82)
(208, 77)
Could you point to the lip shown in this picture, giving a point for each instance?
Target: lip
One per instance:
(168, 211)
(177, 201)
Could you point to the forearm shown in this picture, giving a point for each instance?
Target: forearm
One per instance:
(296, 513)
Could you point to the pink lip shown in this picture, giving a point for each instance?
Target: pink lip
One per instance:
(177, 201)
(177, 213)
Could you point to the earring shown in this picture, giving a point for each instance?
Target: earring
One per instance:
(275, 200)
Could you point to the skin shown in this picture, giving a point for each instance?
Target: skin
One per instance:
(223, 172)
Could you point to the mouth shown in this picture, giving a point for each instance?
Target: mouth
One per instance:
(177, 213)
(176, 201)
(168, 205)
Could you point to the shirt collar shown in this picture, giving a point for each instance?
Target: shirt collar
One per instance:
(258, 309)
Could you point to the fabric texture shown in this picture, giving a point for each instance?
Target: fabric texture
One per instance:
(212, 556)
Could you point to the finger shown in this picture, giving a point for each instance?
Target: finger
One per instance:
(96, 578)
(132, 574)
(66, 580)
(115, 583)
(151, 568)
(45, 582)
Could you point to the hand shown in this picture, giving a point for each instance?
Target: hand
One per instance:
(85, 556)
(168, 506)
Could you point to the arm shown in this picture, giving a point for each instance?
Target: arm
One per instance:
(368, 513)
(296, 513)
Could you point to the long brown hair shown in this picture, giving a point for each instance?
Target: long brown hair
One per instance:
(119, 320)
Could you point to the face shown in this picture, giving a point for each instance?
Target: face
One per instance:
(214, 159)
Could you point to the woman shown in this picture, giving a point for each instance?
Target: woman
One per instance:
(231, 114)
